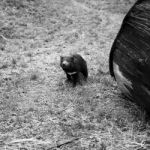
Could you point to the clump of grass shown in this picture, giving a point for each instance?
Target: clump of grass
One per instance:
(29, 54)
(15, 3)
(34, 77)
(4, 66)
(14, 62)
(24, 65)
(101, 72)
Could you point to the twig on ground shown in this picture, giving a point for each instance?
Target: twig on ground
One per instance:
(64, 143)
(58, 144)
(4, 37)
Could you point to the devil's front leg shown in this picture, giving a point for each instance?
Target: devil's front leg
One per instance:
(68, 77)
(75, 79)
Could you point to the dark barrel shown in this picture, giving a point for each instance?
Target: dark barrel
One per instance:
(129, 61)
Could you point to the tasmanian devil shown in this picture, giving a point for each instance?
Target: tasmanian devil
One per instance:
(73, 65)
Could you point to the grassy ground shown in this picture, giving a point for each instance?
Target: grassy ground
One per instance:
(38, 109)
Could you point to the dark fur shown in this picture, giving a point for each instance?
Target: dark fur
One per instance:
(75, 64)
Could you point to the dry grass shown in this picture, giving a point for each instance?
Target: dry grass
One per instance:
(38, 109)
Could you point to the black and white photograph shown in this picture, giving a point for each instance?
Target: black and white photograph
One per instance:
(74, 74)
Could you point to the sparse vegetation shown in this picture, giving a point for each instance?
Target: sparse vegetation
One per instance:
(49, 113)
